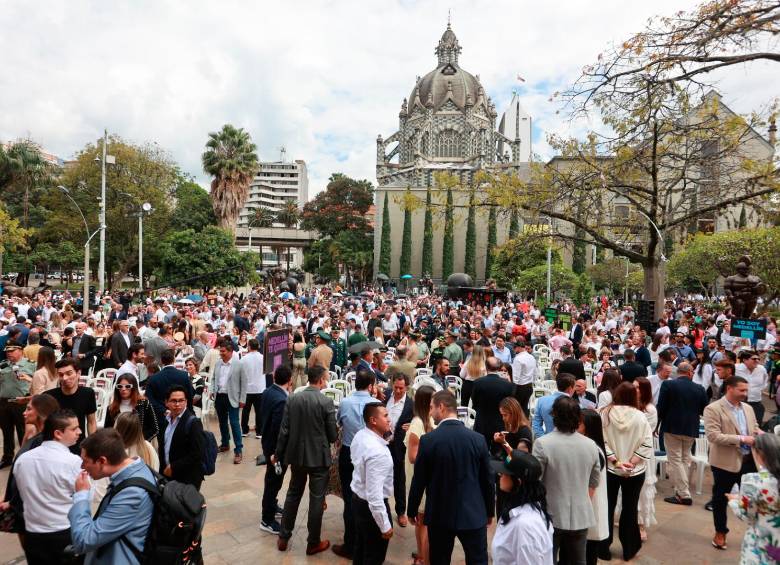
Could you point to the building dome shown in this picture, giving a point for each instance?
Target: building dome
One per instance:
(447, 80)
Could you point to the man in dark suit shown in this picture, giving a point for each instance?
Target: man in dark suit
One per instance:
(84, 348)
(575, 334)
(630, 370)
(680, 404)
(159, 383)
(182, 445)
(453, 470)
(400, 408)
(120, 343)
(487, 394)
(308, 428)
(271, 413)
(570, 365)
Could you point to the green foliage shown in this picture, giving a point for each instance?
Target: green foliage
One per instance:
(406, 242)
(610, 276)
(318, 260)
(491, 241)
(470, 264)
(519, 254)
(706, 257)
(579, 259)
(535, 279)
(355, 252)
(385, 248)
(193, 207)
(448, 248)
(231, 158)
(289, 215)
(187, 253)
(261, 217)
(342, 206)
(583, 290)
(427, 251)
(12, 235)
(514, 224)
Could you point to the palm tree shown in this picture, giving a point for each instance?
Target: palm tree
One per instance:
(259, 218)
(231, 158)
(289, 216)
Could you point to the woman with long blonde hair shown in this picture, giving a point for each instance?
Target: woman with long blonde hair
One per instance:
(128, 424)
(472, 369)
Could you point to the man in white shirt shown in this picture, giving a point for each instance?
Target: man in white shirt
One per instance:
(389, 325)
(524, 372)
(135, 356)
(372, 485)
(252, 364)
(46, 478)
(751, 369)
(662, 372)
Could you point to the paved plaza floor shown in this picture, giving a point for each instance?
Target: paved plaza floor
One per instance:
(682, 535)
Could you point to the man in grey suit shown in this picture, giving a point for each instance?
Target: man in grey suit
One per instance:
(570, 472)
(231, 387)
(308, 428)
(201, 347)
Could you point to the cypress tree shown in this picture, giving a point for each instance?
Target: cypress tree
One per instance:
(386, 243)
(427, 251)
(406, 242)
(514, 225)
(447, 250)
(491, 242)
(743, 218)
(470, 265)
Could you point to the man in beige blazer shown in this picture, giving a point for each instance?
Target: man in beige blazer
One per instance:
(730, 424)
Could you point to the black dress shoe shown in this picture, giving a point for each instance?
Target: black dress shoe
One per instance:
(677, 500)
(4, 464)
(708, 506)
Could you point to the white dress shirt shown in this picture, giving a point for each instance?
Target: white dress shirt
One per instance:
(526, 538)
(395, 409)
(224, 374)
(372, 479)
(252, 363)
(127, 368)
(523, 368)
(46, 478)
(757, 380)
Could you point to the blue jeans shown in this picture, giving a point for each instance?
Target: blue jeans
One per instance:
(226, 412)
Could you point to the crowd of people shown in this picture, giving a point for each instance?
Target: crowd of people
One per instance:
(422, 411)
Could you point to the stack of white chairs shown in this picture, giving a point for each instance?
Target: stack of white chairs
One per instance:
(335, 394)
(83, 380)
(102, 400)
(543, 365)
(424, 371)
(207, 399)
(701, 460)
(343, 385)
(590, 382)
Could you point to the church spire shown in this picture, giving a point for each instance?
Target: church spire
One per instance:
(448, 48)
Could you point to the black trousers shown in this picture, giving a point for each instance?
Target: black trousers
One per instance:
(370, 547)
(398, 451)
(46, 549)
(722, 483)
(628, 527)
(318, 483)
(11, 420)
(345, 478)
(465, 392)
(569, 546)
(271, 486)
(253, 400)
(523, 394)
(758, 409)
(441, 541)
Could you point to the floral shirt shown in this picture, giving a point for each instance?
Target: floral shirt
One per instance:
(758, 504)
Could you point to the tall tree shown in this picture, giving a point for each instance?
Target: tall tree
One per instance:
(259, 217)
(448, 244)
(385, 244)
(343, 205)
(492, 241)
(406, 241)
(470, 261)
(427, 250)
(514, 224)
(12, 235)
(231, 158)
(193, 207)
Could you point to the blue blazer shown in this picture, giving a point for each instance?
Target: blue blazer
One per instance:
(271, 412)
(159, 383)
(680, 404)
(453, 469)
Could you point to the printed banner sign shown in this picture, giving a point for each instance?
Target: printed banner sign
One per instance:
(750, 329)
(276, 349)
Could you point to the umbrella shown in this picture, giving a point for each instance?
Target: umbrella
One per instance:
(287, 295)
(185, 301)
(195, 298)
(406, 277)
(366, 293)
(364, 346)
(156, 300)
(382, 277)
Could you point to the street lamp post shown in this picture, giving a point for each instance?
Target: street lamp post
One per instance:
(145, 208)
(549, 258)
(105, 160)
(85, 299)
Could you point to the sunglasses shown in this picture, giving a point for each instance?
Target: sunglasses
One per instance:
(124, 387)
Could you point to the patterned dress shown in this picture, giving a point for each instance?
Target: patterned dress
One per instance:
(758, 505)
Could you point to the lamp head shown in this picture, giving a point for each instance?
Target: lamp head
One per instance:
(63, 189)
(146, 206)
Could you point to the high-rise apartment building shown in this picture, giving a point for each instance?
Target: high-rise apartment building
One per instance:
(275, 184)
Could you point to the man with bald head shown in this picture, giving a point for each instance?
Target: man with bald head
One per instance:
(681, 403)
(84, 348)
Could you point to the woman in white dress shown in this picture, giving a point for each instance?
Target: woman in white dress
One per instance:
(591, 426)
(647, 496)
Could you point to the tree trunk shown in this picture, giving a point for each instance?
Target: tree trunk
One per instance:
(654, 284)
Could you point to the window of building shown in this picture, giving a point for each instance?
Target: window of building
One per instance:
(450, 144)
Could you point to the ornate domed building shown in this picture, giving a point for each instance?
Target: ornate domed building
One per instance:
(448, 124)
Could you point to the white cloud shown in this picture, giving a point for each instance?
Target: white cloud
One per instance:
(321, 78)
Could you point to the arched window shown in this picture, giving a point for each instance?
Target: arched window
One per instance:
(424, 149)
(450, 144)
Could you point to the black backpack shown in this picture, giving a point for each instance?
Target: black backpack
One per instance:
(210, 448)
(177, 520)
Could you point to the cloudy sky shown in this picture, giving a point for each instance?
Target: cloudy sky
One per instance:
(321, 78)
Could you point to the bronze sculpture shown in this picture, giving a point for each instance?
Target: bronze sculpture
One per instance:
(743, 289)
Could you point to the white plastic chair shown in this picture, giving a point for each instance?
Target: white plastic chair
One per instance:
(335, 394)
(350, 378)
(701, 460)
(424, 372)
(590, 383)
(542, 350)
(300, 388)
(660, 460)
(206, 400)
(549, 385)
(425, 381)
(333, 376)
(83, 380)
(467, 415)
(343, 385)
(102, 400)
(451, 380)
